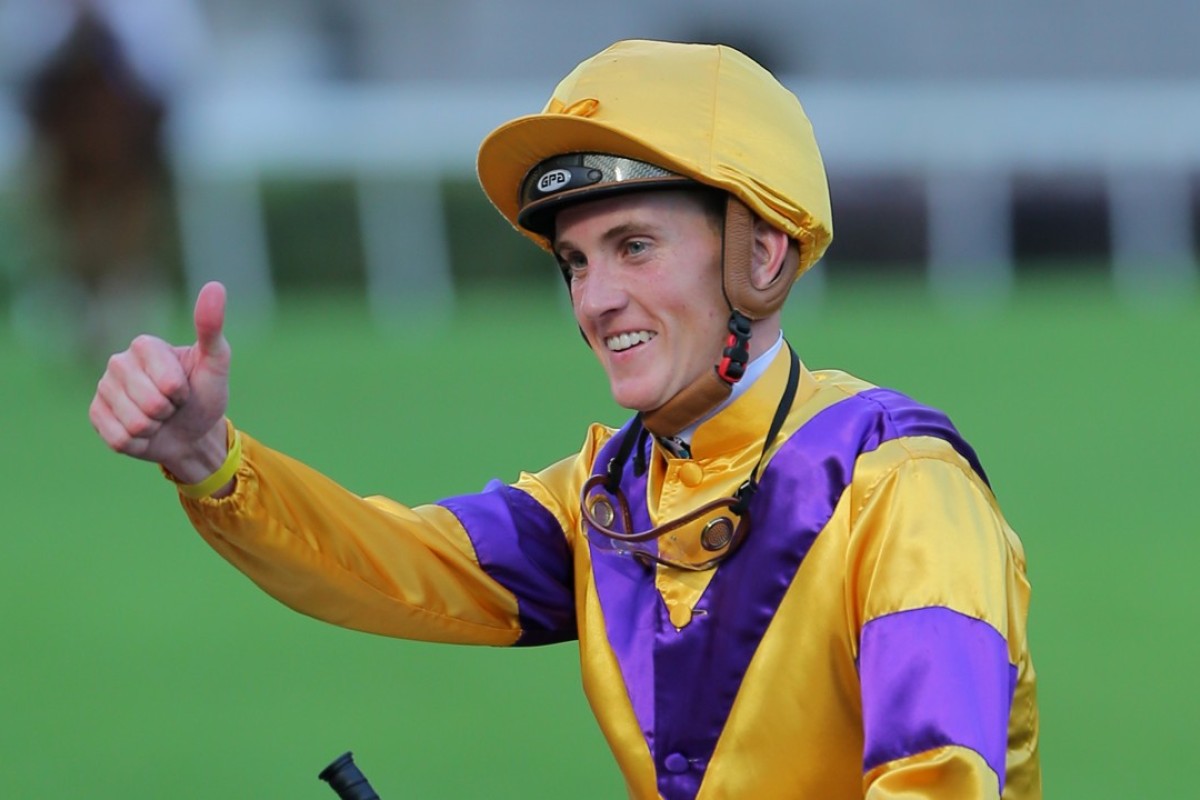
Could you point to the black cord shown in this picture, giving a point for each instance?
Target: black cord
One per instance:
(747, 490)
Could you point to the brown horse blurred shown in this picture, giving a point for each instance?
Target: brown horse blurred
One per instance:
(98, 130)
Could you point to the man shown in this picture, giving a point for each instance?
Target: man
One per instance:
(784, 583)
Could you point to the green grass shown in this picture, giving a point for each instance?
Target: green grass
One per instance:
(138, 664)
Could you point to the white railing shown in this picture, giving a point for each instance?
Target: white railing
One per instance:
(967, 140)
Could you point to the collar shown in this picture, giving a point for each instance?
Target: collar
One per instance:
(743, 420)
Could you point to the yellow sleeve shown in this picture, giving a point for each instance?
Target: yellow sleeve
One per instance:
(364, 563)
(938, 588)
(947, 773)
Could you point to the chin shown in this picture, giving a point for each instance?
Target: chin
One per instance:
(628, 397)
(636, 401)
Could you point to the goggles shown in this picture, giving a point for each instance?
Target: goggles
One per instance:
(720, 535)
(604, 507)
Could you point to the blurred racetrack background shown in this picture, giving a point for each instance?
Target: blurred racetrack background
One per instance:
(1017, 209)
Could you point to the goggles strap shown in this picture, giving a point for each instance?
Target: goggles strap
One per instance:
(747, 490)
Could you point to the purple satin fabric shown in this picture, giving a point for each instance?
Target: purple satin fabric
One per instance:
(682, 684)
(900, 415)
(933, 677)
(521, 545)
(634, 613)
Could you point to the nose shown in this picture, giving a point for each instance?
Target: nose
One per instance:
(599, 292)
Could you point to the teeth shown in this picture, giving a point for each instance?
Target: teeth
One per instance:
(624, 341)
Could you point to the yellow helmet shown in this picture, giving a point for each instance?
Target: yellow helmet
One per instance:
(704, 112)
(649, 115)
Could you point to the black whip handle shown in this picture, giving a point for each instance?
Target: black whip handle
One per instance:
(345, 778)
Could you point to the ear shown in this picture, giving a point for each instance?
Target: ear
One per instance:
(770, 254)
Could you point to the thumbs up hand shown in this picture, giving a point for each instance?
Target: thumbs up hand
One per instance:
(165, 403)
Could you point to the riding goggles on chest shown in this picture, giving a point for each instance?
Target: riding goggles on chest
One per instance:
(605, 509)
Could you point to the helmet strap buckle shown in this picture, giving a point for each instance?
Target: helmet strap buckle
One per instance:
(736, 355)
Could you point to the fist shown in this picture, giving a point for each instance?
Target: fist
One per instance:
(165, 403)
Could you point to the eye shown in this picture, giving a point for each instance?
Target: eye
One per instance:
(636, 247)
(572, 264)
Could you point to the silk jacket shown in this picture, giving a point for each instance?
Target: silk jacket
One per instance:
(867, 639)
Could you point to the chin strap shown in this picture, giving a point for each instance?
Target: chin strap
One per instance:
(736, 355)
(746, 304)
(710, 389)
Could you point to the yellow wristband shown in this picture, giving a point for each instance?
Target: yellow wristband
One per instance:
(233, 460)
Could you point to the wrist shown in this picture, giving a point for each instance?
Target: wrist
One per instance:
(207, 457)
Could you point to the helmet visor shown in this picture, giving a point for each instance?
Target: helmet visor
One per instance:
(576, 177)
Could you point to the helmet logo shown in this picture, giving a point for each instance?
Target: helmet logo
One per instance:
(554, 180)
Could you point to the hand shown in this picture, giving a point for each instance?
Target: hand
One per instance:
(166, 404)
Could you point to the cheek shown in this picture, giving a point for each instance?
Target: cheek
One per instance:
(710, 297)
(576, 303)
(713, 328)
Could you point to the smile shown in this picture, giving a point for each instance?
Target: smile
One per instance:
(624, 341)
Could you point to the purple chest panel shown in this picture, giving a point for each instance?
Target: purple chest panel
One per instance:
(682, 684)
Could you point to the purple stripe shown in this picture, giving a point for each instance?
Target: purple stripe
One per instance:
(902, 413)
(633, 609)
(683, 683)
(704, 663)
(933, 677)
(520, 544)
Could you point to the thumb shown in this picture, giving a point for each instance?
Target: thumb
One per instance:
(209, 318)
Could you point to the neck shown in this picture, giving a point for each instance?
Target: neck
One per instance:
(764, 336)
